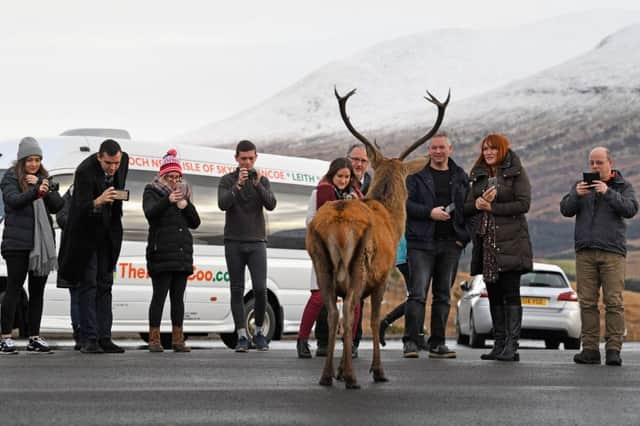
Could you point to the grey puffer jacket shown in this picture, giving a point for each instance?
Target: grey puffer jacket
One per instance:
(600, 218)
(513, 246)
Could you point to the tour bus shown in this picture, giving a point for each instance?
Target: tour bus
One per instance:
(207, 299)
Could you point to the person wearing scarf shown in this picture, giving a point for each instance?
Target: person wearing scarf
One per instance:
(501, 246)
(338, 184)
(170, 212)
(28, 241)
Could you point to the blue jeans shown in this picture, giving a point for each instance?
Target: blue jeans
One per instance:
(438, 267)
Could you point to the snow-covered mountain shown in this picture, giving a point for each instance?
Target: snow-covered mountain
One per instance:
(392, 77)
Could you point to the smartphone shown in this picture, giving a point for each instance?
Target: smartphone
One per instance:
(451, 207)
(182, 187)
(589, 177)
(122, 194)
(492, 182)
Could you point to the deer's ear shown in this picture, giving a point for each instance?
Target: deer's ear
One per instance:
(415, 165)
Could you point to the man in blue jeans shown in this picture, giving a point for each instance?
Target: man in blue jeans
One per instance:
(436, 233)
(243, 195)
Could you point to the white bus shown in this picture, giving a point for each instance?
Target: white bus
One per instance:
(207, 299)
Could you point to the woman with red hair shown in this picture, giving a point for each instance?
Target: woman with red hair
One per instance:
(500, 197)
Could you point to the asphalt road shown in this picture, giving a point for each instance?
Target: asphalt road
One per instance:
(213, 385)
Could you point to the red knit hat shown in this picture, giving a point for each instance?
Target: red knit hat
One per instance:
(170, 163)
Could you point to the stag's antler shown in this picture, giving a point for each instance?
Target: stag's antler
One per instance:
(441, 107)
(372, 149)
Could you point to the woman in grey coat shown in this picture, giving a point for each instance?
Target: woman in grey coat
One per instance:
(500, 197)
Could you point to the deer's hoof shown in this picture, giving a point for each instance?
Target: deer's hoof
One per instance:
(326, 381)
(351, 385)
(380, 379)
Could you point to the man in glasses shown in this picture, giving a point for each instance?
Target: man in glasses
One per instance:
(600, 208)
(357, 154)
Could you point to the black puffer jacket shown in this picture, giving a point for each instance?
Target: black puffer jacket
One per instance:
(19, 216)
(170, 244)
(513, 245)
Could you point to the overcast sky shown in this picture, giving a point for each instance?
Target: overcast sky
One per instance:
(162, 68)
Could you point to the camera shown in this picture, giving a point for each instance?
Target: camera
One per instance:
(253, 174)
(53, 185)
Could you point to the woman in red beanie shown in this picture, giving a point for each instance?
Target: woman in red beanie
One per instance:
(167, 206)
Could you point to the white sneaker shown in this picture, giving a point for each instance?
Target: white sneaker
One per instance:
(37, 345)
(8, 347)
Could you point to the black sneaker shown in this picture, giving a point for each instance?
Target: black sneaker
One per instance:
(108, 347)
(242, 345)
(8, 347)
(612, 357)
(410, 349)
(587, 356)
(91, 347)
(260, 342)
(322, 351)
(441, 351)
(354, 352)
(37, 345)
(302, 345)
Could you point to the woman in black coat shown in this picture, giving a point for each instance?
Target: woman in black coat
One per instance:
(170, 213)
(28, 241)
(500, 197)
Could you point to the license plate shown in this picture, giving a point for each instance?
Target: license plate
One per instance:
(535, 301)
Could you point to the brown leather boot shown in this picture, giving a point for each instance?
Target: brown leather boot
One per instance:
(154, 340)
(177, 340)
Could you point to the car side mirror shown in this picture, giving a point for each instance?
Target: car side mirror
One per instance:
(464, 285)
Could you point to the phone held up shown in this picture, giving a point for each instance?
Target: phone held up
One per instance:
(121, 195)
(589, 177)
(492, 182)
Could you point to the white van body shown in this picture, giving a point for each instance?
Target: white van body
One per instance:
(207, 299)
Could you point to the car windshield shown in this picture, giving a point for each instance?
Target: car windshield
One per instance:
(543, 279)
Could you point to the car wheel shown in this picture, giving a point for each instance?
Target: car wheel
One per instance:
(551, 343)
(231, 339)
(572, 343)
(476, 340)
(461, 338)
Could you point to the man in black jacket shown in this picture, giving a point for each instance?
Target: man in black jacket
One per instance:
(600, 208)
(92, 239)
(243, 194)
(436, 233)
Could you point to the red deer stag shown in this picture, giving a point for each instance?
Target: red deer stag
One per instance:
(353, 244)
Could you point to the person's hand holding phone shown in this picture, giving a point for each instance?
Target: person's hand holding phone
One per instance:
(490, 194)
(243, 176)
(107, 197)
(599, 186)
(439, 214)
(583, 188)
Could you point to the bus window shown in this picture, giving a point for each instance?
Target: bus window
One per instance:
(286, 224)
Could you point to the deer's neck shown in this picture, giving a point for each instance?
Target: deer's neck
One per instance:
(394, 199)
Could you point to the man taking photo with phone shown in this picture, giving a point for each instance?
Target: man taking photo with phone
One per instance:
(600, 208)
(91, 243)
(243, 195)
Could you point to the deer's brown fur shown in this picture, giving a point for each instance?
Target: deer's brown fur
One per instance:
(353, 243)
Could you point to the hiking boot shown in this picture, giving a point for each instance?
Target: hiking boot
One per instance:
(302, 345)
(242, 345)
(441, 351)
(322, 350)
(612, 357)
(177, 340)
(8, 347)
(154, 340)
(37, 345)
(108, 347)
(410, 349)
(587, 356)
(91, 347)
(260, 342)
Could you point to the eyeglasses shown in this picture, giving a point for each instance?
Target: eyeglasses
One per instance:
(359, 160)
(175, 178)
(596, 162)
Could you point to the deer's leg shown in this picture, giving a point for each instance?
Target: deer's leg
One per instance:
(349, 307)
(376, 302)
(327, 290)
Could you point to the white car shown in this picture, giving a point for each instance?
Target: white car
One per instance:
(550, 309)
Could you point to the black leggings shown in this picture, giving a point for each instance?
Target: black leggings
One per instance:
(505, 291)
(253, 255)
(175, 284)
(17, 270)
